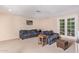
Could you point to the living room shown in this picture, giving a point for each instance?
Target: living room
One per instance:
(13, 19)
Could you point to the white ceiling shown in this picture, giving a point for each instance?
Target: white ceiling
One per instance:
(38, 11)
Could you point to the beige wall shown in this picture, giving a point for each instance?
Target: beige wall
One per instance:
(44, 24)
(10, 25)
(47, 24)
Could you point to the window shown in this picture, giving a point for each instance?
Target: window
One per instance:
(67, 26)
(71, 26)
(62, 26)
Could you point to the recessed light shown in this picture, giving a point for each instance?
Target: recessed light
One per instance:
(10, 10)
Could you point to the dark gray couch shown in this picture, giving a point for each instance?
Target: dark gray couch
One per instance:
(28, 33)
(52, 37)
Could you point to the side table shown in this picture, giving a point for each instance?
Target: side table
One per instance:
(42, 39)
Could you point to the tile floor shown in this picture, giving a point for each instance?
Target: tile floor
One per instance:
(31, 46)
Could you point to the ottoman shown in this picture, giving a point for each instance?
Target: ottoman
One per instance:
(62, 44)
